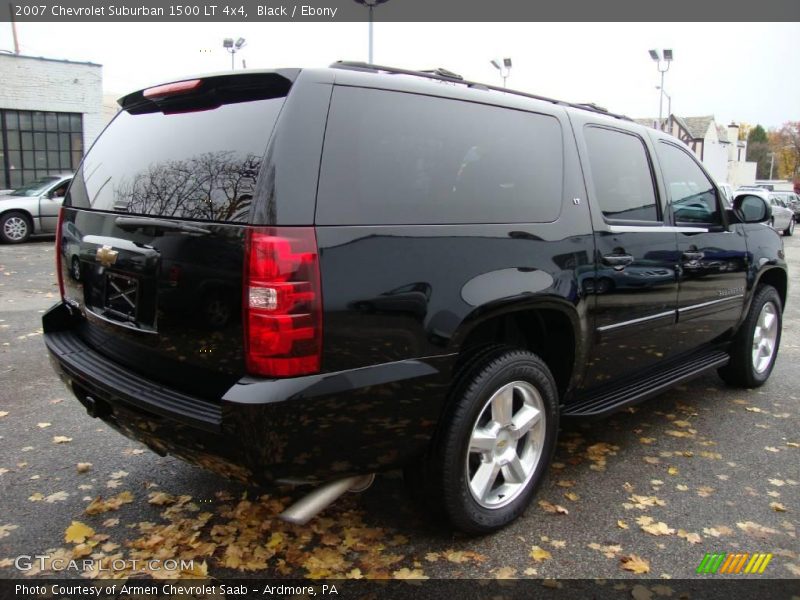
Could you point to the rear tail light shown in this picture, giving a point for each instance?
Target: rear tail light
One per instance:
(59, 251)
(282, 302)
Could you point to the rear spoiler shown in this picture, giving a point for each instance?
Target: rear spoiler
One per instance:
(210, 91)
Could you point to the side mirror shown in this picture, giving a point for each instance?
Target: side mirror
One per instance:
(752, 209)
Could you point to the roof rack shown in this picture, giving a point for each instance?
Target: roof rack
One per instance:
(450, 77)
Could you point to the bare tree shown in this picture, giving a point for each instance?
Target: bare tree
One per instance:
(213, 186)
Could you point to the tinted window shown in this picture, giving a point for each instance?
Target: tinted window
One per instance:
(623, 183)
(395, 158)
(691, 193)
(194, 165)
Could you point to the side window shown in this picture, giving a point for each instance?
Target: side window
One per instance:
(623, 181)
(399, 158)
(691, 193)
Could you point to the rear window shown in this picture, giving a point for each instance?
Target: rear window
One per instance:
(192, 163)
(398, 158)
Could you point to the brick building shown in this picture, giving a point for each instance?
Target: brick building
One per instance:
(50, 113)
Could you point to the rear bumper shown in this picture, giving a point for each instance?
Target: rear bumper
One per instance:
(312, 428)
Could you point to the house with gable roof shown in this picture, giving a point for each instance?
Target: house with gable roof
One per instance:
(718, 147)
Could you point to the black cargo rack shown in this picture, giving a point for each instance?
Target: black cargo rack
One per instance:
(450, 77)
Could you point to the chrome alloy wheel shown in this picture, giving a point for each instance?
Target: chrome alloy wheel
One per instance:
(765, 336)
(15, 228)
(506, 444)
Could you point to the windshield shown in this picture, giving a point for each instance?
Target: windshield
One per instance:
(35, 187)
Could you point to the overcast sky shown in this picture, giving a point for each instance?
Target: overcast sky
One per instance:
(735, 71)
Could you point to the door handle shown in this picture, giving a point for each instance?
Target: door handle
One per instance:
(618, 261)
(689, 255)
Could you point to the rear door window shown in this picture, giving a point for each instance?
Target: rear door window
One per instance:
(191, 162)
(399, 158)
(621, 174)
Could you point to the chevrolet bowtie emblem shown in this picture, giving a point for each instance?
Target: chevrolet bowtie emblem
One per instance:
(106, 256)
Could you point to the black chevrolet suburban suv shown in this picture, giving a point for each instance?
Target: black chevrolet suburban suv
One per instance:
(310, 276)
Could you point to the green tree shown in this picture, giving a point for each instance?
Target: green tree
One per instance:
(758, 151)
(757, 135)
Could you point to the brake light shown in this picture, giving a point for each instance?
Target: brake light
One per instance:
(282, 302)
(59, 250)
(171, 89)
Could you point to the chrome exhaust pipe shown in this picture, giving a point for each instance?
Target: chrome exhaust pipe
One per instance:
(310, 505)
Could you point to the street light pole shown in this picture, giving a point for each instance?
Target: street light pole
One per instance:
(669, 99)
(656, 56)
(233, 47)
(370, 4)
(504, 66)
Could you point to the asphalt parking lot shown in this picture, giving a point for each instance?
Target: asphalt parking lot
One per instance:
(646, 493)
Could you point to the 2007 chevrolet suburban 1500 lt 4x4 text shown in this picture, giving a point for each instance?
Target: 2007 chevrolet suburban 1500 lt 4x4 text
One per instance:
(313, 275)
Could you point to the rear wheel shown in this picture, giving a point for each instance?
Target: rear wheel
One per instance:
(755, 347)
(15, 227)
(495, 443)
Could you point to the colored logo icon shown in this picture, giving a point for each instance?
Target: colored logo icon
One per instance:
(742, 563)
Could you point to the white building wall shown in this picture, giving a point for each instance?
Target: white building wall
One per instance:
(715, 154)
(741, 173)
(54, 85)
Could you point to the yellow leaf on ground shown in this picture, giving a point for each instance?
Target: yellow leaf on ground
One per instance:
(571, 496)
(622, 524)
(160, 498)
(6, 529)
(540, 554)
(692, 538)
(61, 439)
(406, 573)
(83, 467)
(77, 533)
(553, 509)
(43, 425)
(639, 592)
(56, 497)
(777, 507)
(659, 528)
(635, 564)
(505, 573)
(98, 505)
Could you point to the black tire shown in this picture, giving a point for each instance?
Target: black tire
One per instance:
(741, 371)
(789, 231)
(15, 227)
(442, 478)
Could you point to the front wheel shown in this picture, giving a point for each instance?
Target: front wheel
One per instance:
(755, 347)
(15, 227)
(495, 443)
(790, 229)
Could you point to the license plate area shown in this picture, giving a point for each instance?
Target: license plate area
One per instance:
(121, 297)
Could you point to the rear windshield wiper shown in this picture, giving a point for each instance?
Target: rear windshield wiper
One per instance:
(129, 223)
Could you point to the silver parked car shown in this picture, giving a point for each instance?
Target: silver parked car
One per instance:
(33, 208)
(782, 219)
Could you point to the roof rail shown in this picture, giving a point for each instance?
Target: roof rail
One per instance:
(450, 77)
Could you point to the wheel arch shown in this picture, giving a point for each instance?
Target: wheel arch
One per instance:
(550, 327)
(777, 278)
